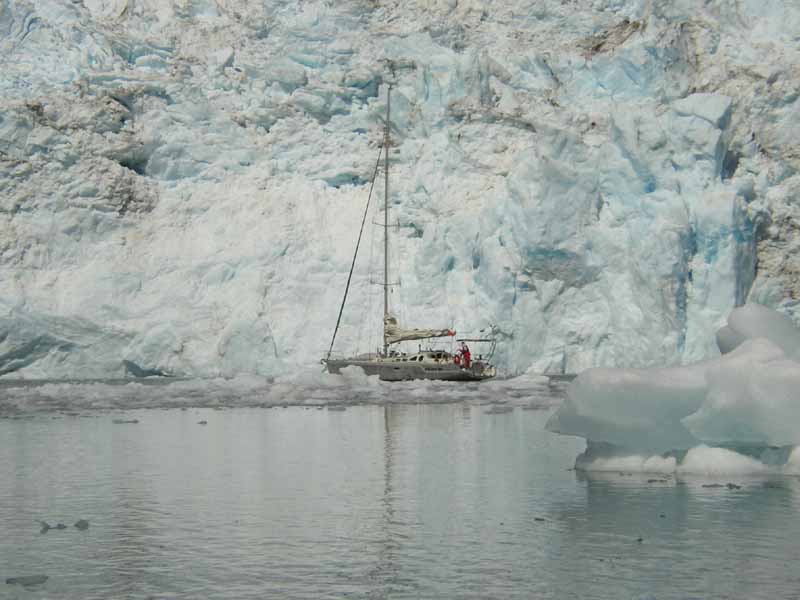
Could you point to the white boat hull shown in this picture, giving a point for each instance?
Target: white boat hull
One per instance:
(395, 370)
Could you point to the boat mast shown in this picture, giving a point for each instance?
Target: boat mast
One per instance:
(386, 143)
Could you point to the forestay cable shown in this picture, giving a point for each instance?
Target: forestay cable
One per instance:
(355, 254)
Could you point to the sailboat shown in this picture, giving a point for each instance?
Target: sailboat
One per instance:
(387, 362)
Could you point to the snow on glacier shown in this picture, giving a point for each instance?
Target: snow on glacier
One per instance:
(181, 181)
(738, 412)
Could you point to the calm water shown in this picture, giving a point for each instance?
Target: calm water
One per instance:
(393, 501)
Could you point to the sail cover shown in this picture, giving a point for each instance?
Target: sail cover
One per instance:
(394, 334)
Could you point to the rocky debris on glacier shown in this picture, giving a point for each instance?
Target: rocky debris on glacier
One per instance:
(179, 181)
(736, 413)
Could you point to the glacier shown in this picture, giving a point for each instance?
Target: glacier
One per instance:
(602, 180)
(736, 413)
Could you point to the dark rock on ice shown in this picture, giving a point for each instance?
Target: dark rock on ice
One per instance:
(733, 486)
(539, 519)
(27, 580)
(123, 421)
(713, 485)
(202, 422)
(60, 526)
(83, 525)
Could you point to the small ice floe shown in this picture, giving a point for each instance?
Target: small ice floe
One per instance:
(202, 422)
(82, 524)
(499, 409)
(47, 527)
(124, 421)
(730, 486)
(27, 580)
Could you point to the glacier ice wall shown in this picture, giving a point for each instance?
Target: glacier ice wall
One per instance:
(181, 180)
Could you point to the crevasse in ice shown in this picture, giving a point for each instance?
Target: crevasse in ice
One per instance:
(738, 411)
(181, 181)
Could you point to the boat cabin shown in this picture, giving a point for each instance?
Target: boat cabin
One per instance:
(428, 356)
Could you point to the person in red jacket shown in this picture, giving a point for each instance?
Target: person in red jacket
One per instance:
(465, 355)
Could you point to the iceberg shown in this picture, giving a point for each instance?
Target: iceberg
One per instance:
(739, 410)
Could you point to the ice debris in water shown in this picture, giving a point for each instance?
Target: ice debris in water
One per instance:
(47, 527)
(736, 413)
(27, 580)
(305, 387)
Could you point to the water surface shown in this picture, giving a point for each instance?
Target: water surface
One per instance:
(457, 500)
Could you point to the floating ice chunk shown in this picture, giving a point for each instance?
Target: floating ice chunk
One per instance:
(699, 460)
(753, 321)
(634, 408)
(605, 457)
(751, 399)
(745, 400)
(27, 580)
(728, 339)
(792, 465)
(499, 409)
(704, 460)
